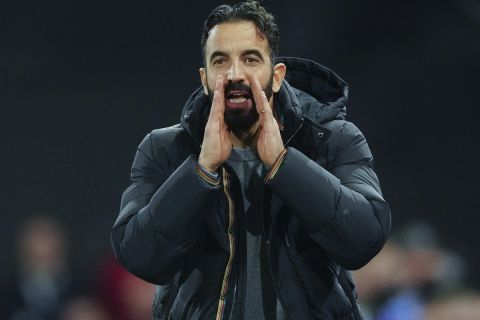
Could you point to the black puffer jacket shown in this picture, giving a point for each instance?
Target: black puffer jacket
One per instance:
(323, 211)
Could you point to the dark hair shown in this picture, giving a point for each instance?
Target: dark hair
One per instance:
(249, 10)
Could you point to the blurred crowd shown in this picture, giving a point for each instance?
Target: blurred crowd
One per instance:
(44, 286)
(412, 278)
(415, 278)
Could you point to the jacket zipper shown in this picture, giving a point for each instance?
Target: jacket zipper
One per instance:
(231, 241)
(267, 245)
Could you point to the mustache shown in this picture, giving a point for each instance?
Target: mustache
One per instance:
(238, 86)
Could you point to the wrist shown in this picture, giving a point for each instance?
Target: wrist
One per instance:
(276, 165)
(213, 178)
(207, 167)
(280, 154)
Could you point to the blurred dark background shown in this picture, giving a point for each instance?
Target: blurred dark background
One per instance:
(82, 82)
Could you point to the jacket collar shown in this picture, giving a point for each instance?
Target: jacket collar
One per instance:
(310, 95)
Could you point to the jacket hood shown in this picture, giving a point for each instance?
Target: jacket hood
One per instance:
(308, 90)
(322, 95)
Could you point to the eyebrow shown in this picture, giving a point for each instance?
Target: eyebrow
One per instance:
(244, 53)
(217, 53)
(254, 52)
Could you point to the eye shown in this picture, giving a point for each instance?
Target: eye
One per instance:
(219, 61)
(251, 60)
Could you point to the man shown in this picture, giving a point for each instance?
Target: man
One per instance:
(256, 203)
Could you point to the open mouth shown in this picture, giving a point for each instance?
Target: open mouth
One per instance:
(237, 97)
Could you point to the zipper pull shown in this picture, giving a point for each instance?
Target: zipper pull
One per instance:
(286, 241)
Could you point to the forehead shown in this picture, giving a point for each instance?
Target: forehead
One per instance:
(235, 36)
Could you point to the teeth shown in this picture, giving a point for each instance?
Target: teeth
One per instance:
(237, 100)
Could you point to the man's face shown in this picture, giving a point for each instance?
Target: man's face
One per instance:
(236, 51)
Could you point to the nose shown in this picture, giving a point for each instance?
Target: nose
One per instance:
(235, 72)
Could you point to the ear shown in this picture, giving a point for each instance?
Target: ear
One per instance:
(203, 79)
(279, 71)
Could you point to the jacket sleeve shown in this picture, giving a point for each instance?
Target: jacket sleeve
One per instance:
(162, 214)
(342, 209)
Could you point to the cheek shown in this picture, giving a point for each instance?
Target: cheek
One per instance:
(211, 84)
(210, 79)
(212, 75)
(264, 75)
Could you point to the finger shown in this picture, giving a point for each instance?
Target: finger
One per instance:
(263, 107)
(218, 103)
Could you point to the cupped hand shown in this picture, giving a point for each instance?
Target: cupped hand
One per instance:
(216, 146)
(269, 143)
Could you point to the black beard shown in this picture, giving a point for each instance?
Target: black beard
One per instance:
(240, 121)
